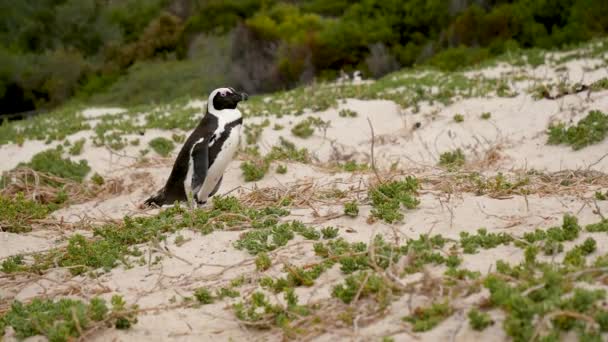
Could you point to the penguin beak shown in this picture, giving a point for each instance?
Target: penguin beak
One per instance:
(244, 96)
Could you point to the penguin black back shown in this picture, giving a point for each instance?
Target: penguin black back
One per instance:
(204, 133)
(174, 188)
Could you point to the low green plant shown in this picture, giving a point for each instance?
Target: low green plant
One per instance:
(361, 285)
(281, 169)
(52, 162)
(387, 198)
(479, 320)
(254, 170)
(426, 318)
(254, 131)
(178, 138)
(262, 262)
(483, 239)
(329, 232)
(351, 209)
(486, 116)
(305, 128)
(260, 311)
(97, 179)
(590, 130)
(203, 296)
(162, 146)
(76, 148)
(65, 319)
(458, 118)
(347, 113)
(18, 213)
(452, 160)
(601, 196)
(352, 166)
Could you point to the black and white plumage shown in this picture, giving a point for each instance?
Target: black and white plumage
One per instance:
(201, 162)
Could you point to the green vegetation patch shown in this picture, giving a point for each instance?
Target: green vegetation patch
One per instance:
(114, 243)
(387, 199)
(162, 146)
(306, 128)
(592, 129)
(16, 214)
(52, 162)
(65, 319)
(255, 168)
(452, 160)
(426, 318)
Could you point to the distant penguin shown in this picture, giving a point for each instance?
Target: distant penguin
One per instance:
(200, 164)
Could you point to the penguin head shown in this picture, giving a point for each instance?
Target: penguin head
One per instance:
(225, 98)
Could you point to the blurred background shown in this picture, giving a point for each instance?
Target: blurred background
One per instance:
(128, 52)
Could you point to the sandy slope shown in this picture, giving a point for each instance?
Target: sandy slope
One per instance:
(515, 130)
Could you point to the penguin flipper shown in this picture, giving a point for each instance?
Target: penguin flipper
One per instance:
(200, 164)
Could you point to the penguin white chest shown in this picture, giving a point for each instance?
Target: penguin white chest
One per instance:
(223, 158)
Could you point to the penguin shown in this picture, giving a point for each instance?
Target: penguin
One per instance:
(200, 164)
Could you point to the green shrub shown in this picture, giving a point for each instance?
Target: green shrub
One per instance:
(52, 162)
(64, 319)
(590, 130)
(17, 213)
(387, 199)
(162, 146)
(479, 320)
(351, 209)
(426, 318)
(254, 171)
(452, 160)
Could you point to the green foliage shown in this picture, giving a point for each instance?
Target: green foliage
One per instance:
(254, 170)
(486, 116)
(113, 243)
(387, 199)
(64, 319)
(281, 169)
(479, 320)
(329, 232)
(347, 113)
(452, 160)
(456, 58)
(601, 196)
(351, 209)
(12, 264)
(203, 296)
(17, 213)
(262, 262)
(483, 239)
(576, 256)
(178, 138)
(305, 128)
(590, 130)
(162, 146)
(76, 149)
(254, 131)
(352, 166)
(458, 118)
(366, 284)
(52, 162)
(83, 254)
(427, 318)
(258, 309)
(97, 179)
